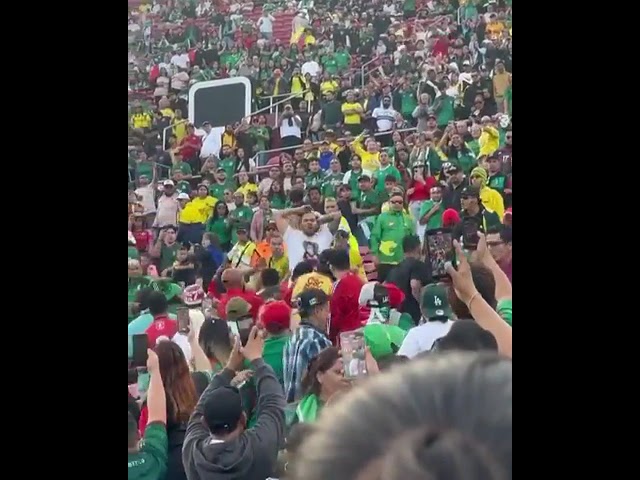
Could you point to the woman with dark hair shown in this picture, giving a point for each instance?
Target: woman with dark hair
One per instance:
(217, 224)
(324, 378)
(181, 401)
(276, 195)
(452, 419)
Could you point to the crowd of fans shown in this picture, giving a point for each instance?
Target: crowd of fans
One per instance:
(257, 255)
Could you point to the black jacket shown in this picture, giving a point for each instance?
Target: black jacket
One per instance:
(252, 455)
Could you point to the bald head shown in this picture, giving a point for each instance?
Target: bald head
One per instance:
(232, 278)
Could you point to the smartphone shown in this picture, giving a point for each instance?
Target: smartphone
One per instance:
(140, 344)
(439, 246)
(352, 345)
(183, 319)
(470, 227)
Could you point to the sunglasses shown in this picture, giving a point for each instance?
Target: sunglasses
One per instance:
(396, 201)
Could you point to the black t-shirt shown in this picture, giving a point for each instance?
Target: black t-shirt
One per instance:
(350, 217)
(401, 275)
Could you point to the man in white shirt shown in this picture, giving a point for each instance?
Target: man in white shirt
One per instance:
(265, 25)
(211, 142)
(146, 191)
(385, 116)
(181, 59)
(312, 238)
(311, 67)
(436, 321)
(168, 208)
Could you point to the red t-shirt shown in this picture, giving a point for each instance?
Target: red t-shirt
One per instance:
(249, 295)
(421, 191)
(345, 309)
(186, 150)
(143, 238)
(162, 326)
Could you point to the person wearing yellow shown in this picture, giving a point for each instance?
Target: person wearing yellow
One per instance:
(369, 155)
(309, 39)
(245, 186)
(491, 199)
(489, 140)
(140, 120)
(328, 85)
(204, 202)
(353, 113)
(179, 125)
(190, 220)
(298, 84)
(494, 27)
(165, 108)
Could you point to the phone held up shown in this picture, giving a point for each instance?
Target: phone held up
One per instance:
(140, 344)
(439, 246)
(470, 228)
(352, 345)
(184, 322)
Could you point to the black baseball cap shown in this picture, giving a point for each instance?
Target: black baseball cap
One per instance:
(451, 168)
(470, 191)
(242, 226)
(364, 177)
(223, 409)
(467, 335)
(311, 298)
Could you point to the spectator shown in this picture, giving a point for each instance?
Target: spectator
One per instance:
(233, 281)
(218, 225)
(269, 285)
(457, 182)
(307, 341)
(217, 441)
(410, 275)
(275, 318)
(468, 336)
(491, 199)
(499, 241)
(149, 459)
(468, 380)
(162, 325)
(473, 209)
(345, 309)
(437, 318)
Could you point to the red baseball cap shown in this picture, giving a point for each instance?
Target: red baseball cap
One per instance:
(275, 316)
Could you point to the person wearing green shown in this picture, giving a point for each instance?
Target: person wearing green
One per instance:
(367, 206)
(146, 285)
(407, 100)
(386, 169)
(260, 135)
(220, 184)
(330, 63)
(431, 210)
(387, 234)
(147, 460)
(342, 57)
(183, 187)
(315, 176)
(497, 179)
(324, 380)
(227, 162)
(332, 180)
(218, 225)
(352, 177)
(242, 215)
(133, 253)
(275, 317)
(508, 98)
(181, 166)
(443, 108)
(166, 247)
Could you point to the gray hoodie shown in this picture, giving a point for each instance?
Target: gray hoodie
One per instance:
(250, 456)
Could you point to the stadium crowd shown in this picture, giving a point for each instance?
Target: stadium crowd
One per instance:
(280, 273)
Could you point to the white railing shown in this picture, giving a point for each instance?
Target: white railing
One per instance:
(165, 129)
(286, 99)
(362, 72)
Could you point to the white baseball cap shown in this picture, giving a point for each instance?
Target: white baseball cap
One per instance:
(183, 196)
(169, 183)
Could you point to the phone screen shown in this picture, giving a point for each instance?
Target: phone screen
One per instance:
(470, 227)
(440, 251)
(183, 319)
(352, 345)
(139, 344)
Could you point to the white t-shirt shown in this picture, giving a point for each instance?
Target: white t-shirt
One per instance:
(181, 61)
(148, 198)
(293, 130)
(302, 247)
(385, 118)
(266, 24)
(421, 338)
(311, 67)
(211, 144)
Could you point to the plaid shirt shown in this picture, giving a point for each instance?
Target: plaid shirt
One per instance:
(303, 346)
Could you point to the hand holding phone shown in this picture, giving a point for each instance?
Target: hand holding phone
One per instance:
(140, 344)
(440, 251)
(470, 228)
(353, 347)
(184, 322)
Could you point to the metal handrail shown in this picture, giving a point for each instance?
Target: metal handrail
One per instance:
(164, 131)
(362, 80)
(282, 149)
(279, 102)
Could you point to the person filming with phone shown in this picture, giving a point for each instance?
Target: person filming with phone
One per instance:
(217, 443)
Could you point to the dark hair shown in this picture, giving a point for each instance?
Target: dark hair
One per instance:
(157, 303)
(271, 195)
(506, 234)
(269, 277)
(390, 178)
(313, 187)
(388, 361)
(176, 378)
(216, 215)
(142, 297)
(486, 286)
(324, 260)
(339, 259)
(301, 269)
(214, 339)
(296, 196)
(410, 243)
(298, 433)
(319, 364)
(133, 430)
(453, 419)
(170, 227)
